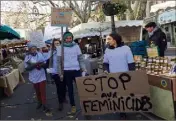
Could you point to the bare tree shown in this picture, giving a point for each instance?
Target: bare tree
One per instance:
(24, 18)
(135, 9)
(82, 9)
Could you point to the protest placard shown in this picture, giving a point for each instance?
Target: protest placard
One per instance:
(61, 16)
(36, 38)
(117, 92)
(52, 32)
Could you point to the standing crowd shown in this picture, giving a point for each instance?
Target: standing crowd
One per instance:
(117, 58)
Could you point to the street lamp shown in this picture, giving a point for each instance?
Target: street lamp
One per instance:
(111, 9)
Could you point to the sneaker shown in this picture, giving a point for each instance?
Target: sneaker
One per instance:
(46, 109)
(39, 105)
(61, 106)
(73, 110)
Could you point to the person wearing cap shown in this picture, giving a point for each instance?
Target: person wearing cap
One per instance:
(34, 64)
(117, 58)
(73, 66)
(157, 37)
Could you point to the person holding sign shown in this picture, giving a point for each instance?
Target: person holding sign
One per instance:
(34, 64)
(53, 69)
(118, 57)
(73, 65)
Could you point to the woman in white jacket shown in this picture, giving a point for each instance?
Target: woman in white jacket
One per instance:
(73, 65)
(118, 57)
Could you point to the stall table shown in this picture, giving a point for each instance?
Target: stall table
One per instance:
(10, 81)
(163, 96)
(91, 65)
(21, 67)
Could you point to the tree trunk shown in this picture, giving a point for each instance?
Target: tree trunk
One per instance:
(148, 5)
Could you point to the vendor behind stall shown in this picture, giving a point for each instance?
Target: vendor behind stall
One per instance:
(157, 36)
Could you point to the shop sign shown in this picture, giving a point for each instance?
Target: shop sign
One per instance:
(167, 17)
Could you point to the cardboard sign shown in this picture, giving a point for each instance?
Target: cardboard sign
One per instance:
(36, 38)
(118, 92)
(52, 32)
(152, 52)
(61, 16)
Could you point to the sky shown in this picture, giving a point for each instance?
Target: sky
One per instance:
(7, 6)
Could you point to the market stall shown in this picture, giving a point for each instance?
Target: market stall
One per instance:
(129, 30)
(11, 64)
(162, 79)
(15, 52)
(10, 79)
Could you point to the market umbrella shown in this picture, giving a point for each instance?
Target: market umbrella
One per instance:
(7, 32)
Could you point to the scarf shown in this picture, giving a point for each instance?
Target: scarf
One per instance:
(70, 44)
(154, 30)
(33, 54)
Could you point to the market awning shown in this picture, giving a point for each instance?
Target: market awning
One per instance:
(162, 6)
(7, 32)
(93, 28)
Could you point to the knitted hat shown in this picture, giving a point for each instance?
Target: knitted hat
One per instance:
(30, 45)
(66, 34)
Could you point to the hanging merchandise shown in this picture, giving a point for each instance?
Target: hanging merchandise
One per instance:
(153, 50)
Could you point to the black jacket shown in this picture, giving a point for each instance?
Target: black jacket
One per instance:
(159, 39)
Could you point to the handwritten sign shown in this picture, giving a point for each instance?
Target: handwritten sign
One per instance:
(61, 16)
(52, 32)
(36, 38)
(118, 92)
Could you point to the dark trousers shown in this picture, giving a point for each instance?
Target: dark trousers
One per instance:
(69, 77)
(61, 88)
(40, 89)
(161, 53)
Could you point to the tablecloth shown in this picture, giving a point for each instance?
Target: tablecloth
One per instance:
(10, 81)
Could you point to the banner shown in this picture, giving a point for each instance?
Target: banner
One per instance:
(52, 32)
(61, 16)
(36, 38)
(117, 92)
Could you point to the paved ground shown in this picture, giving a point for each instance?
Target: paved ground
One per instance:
(22, 106)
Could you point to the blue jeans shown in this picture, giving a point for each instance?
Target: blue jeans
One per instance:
(69, 77)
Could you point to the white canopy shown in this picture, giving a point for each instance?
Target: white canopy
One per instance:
(162, 6)
(93, 28)
(52, 32)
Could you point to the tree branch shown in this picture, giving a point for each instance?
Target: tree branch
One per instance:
(51, 2)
